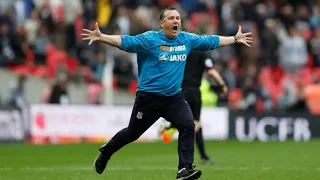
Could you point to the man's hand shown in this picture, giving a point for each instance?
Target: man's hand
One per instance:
(224, 91)
(244, 38)
(197, 126)
(92, 35)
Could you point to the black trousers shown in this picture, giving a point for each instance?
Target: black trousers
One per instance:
(194, 100)
(148, 108)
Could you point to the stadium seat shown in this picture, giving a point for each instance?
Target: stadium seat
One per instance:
(114, 82)
(20, 69)
(72, 65)
(41, 71)
(259, 106)
(306, 75)
(94, 90)
(50, 49)
(133, 87)
(55, 59)
(310, 61)
(87, 73)
(235, 96)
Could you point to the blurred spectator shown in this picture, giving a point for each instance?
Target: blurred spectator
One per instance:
(288, 97)
(228, 16)
(147, 16)
(249, 10)
(123, 20)
(31, 26)
(71, 10)
(19, 45)
(293, 49)
(265, 97)
(99, 68)
(300, 104)
(8, 19)
(89, 9)
(250, 94)
(17, 95)
(302, 18)
(6, 49)
(250, 55)
(229, 73)
(314, 19)
(270, 43)
(40, 44)
(59, 93)
(45, 14)
(20, 11)
(286, 15)
(315, 46)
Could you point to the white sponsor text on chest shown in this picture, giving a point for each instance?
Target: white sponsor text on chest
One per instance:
(177, 48)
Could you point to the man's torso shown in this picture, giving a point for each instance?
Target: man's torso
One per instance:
(161, 68)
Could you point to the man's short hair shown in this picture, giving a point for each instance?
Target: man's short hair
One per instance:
(170, 8)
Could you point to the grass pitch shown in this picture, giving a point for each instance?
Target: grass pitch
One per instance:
(158, 161)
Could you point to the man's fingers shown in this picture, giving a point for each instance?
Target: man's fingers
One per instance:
(96, 26)
(247, 44)
(249, 38)
(249, 41)
(87, 30)
(90, 42)
(248, 34)
(239, 29)
(85, 34)
(86, 38)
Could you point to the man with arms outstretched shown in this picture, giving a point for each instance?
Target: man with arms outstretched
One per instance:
(161, 58)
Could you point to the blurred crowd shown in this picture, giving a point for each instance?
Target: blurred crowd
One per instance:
(42, 38)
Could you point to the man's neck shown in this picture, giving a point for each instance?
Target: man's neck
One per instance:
(168, 35)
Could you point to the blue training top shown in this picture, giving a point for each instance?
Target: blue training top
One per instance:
(161, 61)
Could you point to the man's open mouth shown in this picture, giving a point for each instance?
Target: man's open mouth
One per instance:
(175, 28)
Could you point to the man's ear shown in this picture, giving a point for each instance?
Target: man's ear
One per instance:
(161, 22)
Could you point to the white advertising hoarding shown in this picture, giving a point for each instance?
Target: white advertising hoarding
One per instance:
(103, 122)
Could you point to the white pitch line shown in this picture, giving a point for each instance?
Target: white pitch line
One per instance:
(146, 168)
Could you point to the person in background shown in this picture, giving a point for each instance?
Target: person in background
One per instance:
(59, 93)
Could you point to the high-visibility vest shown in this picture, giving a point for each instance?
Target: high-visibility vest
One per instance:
(208, 97)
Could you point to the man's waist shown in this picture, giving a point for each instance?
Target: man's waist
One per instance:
(158, 92)
(148, 93)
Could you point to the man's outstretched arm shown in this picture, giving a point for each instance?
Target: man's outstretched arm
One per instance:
(133, 44)
(241, 38)
(113, 40)
(96, 35)
(210, 42)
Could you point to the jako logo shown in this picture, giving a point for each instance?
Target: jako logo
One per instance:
(164, 57)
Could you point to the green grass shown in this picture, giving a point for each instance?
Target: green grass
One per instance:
(158, 161)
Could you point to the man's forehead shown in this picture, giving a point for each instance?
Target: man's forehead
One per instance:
(171, 13)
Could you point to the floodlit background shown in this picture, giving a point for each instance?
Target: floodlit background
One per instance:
(71, 98)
